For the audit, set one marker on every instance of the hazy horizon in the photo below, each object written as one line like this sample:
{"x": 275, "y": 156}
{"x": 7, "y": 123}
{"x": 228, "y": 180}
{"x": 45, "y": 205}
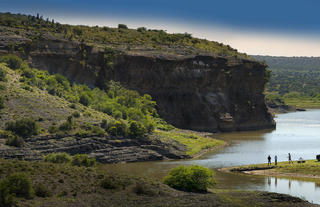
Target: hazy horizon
{"x": 287, "y": 28}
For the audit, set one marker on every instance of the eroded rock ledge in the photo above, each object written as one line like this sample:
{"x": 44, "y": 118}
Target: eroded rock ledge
{"x": 200, "y": 92}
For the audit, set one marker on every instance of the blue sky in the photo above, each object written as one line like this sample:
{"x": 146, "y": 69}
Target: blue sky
{"x": 244, "y": 24}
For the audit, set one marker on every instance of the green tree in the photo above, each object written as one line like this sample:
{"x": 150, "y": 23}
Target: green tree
{"x": 23, "y": 127}
{"x": 137, "y": 130}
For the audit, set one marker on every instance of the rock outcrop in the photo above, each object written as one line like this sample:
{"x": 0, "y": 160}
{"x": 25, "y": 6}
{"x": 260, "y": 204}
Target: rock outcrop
{"x": 199, "y": 92}
{"x": 103, "y": 149}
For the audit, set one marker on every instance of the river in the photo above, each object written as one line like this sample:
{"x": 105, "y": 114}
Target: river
{"x": 296, "y": 132}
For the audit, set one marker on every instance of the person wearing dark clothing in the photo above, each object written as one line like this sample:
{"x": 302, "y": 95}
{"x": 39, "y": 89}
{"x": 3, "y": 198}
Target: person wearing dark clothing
{"x": 289, "y": 158}
{"x": 269, "y": 160}
{"x": 276, "y": 160}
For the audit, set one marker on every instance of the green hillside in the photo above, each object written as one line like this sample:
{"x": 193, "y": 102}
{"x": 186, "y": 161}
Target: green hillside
{"x": 294, "y": 79}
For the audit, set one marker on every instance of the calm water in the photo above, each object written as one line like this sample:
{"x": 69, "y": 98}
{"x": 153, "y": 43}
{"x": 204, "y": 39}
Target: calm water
{"x": 297, "y": 133}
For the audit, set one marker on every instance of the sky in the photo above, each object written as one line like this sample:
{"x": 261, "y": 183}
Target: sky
{"x": 256, "y": 27}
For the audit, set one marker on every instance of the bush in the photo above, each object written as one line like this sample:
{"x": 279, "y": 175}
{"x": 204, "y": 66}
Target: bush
{"x": 68, "y": 125}
{"x": 16, "y": 184}
{"x": 136, "y": 129}
{"x": 84, "y": 99}
{"x": 2, "y": 75}
{"x": 12, "y": 61}
{"x": 118, "y": 128}
{"x": 53, "y": 129}
{"x": 110, "y": 183}
{"x": 113, "y": 182}
{"x": 6, "y": 198}
{"x": 122, "y": 26}
{"x": 192, "y": 178}
{"x": 15, "y": 141}
{"x": 42, "y": 191}
{"x": 76, "y": 114}
{"x": 2, "y": 87}
{"x": 23, "y": 127}
{"x": 1, "y": 102}
{"x": 60, "y": 157}
{"x": 83, "y": 160}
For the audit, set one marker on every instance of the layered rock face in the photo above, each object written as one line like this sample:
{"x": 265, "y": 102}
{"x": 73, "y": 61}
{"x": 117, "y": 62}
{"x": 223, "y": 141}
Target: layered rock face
{"x": 198, "y": 92}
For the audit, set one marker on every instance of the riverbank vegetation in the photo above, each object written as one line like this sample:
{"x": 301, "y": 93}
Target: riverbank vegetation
{"x": 49, "y": 184}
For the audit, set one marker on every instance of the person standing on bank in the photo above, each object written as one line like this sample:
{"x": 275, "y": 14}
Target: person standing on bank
{"x": 269, "y": 160}
{"x": 289, "y": 158}
{"x": 276, "y": 160}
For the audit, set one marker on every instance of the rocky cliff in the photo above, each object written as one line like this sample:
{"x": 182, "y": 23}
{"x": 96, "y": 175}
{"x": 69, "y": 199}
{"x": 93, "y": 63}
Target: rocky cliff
{"x": 199, "y": 91}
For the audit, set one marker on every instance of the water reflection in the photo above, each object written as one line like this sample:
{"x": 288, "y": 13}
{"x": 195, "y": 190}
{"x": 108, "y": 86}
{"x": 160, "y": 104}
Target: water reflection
{"x": 297, "y": 133}
{"x": 302, "y": 189}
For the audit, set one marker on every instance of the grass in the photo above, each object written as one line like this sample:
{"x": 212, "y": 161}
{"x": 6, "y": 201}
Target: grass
{"x": 118, "y": 38}
{"x": 309, "y": 168}
{"x": 303, "y": 102}
{"x": 21, "y": 103}
{"x": 195, "y": 143}
{"x": 65, "y": 185}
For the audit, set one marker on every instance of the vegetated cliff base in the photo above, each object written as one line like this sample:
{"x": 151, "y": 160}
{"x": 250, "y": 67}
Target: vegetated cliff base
{"x": 200, "y": 92}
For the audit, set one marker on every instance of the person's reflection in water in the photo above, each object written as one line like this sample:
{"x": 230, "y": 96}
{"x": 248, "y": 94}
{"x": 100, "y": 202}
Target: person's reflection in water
{"x": 269, "y": 181}
{"x": 276, "y": 182}
{"x": 290, "y": 184}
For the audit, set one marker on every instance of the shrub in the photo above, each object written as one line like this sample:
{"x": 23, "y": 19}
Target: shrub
{"x": 84, "y": 99}
{"x": 23, "y": 127}
{"x": 104, "y": 124}
{"x": 117, "y": 114}
{"x": 17, "y": 184}
{"x": 122, "y": 26}
{"x": 118, "y": 128}
{"x": 2, "y": 87}
{"x": 1, "y": 102}
{"x": 192, "y": 178}
{"x": 42, "y": 191}
{"x": 73, "y": 106}
{"x": 53, "y": 129}
{"x": 60, "y": 157}
{"x": 83, "y": 160}
{"x": 76, "y": 114}
{"x": 15, "y": 141}
{"x": 6, "y": 198}
{"x": 12, "y": 61}
{"x": 142, "y": 188}
{"x": 67, "y": 125}
{"x": 113, "y": 182}
{"x": 110, "y": 183}
{"x": 2, "y": 75}
{"x": 136, "y": 129}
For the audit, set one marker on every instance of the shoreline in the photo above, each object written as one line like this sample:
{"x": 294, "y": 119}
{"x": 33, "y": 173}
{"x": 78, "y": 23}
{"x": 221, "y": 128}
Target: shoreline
{"x": 212, "y": 149}
{"x": 283, "y": 170}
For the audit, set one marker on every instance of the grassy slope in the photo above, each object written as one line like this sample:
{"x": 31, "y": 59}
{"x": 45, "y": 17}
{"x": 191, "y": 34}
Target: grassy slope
{"x": 21, "y": 103}
{"x": 38, "y": 103}
{"x": 195, "y": 143}
{"x": 80, "y": 187}
{"x": 138, "y": 40}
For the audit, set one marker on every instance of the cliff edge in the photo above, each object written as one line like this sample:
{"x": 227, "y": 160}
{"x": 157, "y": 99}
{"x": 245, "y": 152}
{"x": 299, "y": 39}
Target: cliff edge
{"x": 196, "y": 90}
